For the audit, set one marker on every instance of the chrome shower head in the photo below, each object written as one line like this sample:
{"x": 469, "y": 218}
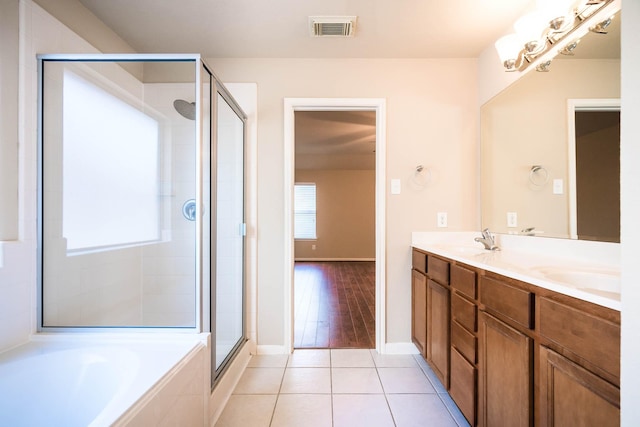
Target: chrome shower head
{"x": 185, "y": 108}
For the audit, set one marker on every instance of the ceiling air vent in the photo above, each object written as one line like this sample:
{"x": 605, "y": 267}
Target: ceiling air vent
{"x": 332, "y": 26}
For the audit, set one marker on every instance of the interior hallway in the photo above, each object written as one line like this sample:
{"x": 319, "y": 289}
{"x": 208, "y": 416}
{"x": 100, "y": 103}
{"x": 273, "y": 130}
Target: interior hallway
{"x": 334, "y": 304}
{"x": 339, "y": 388}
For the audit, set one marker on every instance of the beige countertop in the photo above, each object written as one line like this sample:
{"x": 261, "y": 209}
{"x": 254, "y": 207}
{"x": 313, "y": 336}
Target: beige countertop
{"x": 586, "y": 270}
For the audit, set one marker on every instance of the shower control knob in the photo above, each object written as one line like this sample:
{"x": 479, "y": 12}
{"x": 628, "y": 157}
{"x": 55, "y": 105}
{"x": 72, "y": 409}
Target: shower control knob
{"x": 189, "y": 209}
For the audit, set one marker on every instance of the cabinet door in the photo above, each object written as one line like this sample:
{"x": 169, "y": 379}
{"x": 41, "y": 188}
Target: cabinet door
{"x": 438, "y": 339}
{"x": 419, "y": 310}
{"x": 571, "y": 395}
{"x": 504, "y": 375}
{"x": 463, "y": 385}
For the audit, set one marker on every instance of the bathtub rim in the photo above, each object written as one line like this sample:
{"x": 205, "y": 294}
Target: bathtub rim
{"x": 116, "y": 413}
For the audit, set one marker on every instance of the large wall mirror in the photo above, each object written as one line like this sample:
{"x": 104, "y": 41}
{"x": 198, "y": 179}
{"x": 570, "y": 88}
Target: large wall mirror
{"x": 550, "y": 144}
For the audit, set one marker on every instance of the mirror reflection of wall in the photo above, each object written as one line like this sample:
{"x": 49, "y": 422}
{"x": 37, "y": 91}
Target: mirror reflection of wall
{"x": 527, "y": 125}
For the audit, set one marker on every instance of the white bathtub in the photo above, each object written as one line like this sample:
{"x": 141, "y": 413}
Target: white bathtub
{"x": 89, "y": 381}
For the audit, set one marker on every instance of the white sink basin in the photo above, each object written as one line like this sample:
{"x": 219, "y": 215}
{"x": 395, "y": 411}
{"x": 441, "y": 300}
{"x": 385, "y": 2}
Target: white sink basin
{"x": 603, "y": 282}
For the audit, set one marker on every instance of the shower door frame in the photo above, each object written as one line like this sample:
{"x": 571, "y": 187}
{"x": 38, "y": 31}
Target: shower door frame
{"x": 99, "y": 57}
{"x": 204, "y": 303}
{"x": 218, "y": 88}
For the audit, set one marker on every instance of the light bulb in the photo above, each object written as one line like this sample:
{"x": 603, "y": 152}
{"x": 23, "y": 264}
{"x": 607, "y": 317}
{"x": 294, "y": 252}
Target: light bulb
{"x": 508, "y": 48}
{"x": 530, "y": 28}
{"x": 558, "y": 14}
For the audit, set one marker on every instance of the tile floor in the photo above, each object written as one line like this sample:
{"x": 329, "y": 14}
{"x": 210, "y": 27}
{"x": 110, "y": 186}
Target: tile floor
{"x": 339, "y": 388}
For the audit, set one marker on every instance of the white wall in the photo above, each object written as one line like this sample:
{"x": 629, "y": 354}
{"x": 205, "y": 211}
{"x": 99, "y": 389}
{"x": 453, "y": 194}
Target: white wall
{"x": 345, "y": 215}
{"x": 39, "y": 33}
{"x": 431, "y": 120}
{"x": 630, "y": 212}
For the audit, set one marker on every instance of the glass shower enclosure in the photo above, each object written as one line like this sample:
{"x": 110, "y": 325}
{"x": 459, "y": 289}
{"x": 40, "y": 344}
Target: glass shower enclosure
{"x": 141, "y": 198}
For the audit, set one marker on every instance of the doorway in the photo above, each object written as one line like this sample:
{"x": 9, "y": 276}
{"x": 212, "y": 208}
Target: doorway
{"x": 376, "y": 107}
{"x": 594, "y": 169}
{"x": 334, "y": 229}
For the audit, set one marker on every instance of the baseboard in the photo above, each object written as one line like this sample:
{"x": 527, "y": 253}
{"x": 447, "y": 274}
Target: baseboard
{"x": 271, "y": 349}
{"x": 389, "y": 348}
{"x": 400, "y": 348}
{"x": 335, "y": 259}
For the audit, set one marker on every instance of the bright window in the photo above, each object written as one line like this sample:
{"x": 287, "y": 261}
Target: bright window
{"x": 304, "y": 211}
{"x": 110, "y": 169}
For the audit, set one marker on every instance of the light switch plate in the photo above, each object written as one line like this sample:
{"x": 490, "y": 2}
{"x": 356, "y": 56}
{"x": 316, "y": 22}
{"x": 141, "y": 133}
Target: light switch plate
{"x": 558, "y": 186}
{"x": 512, "y": 219}
{"x": 396, "y": 186}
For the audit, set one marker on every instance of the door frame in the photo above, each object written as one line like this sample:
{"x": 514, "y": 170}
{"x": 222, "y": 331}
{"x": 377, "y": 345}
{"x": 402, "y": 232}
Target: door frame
{"x": 291, "y": 105}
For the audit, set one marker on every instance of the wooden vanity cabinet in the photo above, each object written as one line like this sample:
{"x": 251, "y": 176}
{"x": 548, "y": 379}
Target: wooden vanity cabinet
{"x": 430, "y": 307}
{"x": 438, "y": 330}
{"x": 505, "y": 383}
{"x": 438, "y": 317}
{"x": 572, "y": 395}
{"x": 419, "y": 301}
{"x": 514, "y": 354}
{"x": 579, "y": 365}
{"x": 463, "y": 371}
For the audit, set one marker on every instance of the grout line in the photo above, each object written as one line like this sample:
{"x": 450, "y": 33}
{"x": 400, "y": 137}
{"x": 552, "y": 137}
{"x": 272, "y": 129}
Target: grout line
{"x": 331, "y": 385}
{"x": 384, "y": 393}
{"x": 284, "y": 372}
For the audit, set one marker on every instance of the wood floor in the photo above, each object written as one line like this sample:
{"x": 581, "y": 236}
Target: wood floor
{"x": 334, "y": 305}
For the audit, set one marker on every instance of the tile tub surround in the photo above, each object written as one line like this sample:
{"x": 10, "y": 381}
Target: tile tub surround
{"x": 527, "y": 258}
{"x": 339, "y": 387}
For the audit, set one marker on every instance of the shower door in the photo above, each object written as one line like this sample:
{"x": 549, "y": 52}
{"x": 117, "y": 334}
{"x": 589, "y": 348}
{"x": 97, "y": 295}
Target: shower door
{"x": 228, "y": 299}
{"x": 119, "y": 238}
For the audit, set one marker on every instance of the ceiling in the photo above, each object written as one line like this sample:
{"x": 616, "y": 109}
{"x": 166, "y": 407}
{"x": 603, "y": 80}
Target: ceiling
{"x": 341, "y": 131}
{"x": 279, "y": 28}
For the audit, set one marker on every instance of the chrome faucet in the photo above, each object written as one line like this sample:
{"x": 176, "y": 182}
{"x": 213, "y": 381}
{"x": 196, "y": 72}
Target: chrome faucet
{"x": 487, "y": 240}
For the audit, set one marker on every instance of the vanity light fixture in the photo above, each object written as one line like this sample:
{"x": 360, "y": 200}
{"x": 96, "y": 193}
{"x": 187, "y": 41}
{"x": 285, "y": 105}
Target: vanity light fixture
{"x": 539, "y": 31}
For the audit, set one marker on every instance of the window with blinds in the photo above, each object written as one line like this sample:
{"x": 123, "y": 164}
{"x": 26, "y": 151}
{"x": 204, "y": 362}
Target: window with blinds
{"x": 304, "y": 209}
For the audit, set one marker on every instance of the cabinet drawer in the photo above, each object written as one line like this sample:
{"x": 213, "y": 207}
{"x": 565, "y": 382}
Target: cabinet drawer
{"x": 464, "y": 312}
{"x": 464, "y": 341}
{"x": 463, "y": 386}
{"x": 438, "y": 270}
{"x": 464, "y": 280}
{"x": 590, "y": 337}
{"x": 419, "y": 261}
{"x": 514, "y": 303}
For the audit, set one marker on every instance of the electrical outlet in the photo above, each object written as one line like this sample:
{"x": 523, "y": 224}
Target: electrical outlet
{"x": 313, "y": 247}
{"x": 512, "y": 219}
{"x": 442, "y": 219}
